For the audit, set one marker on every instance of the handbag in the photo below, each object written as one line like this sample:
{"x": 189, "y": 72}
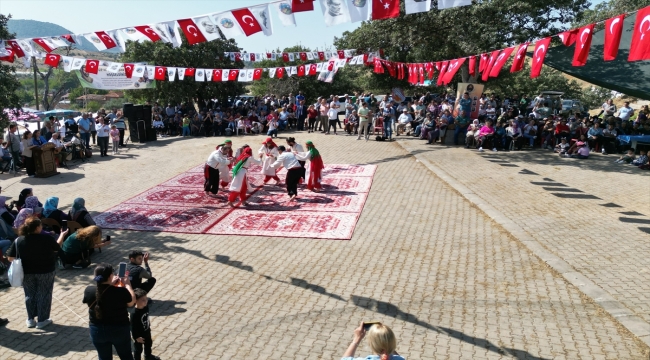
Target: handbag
{"x": 15, "y": 273}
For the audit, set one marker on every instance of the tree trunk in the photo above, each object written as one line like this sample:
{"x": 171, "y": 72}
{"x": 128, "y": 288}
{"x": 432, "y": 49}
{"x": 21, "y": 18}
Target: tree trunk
{"x": 466, "y": 77}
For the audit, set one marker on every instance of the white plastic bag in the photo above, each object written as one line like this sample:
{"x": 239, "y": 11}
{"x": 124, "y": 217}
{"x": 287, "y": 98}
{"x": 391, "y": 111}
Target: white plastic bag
{"x": 15, "y": 273}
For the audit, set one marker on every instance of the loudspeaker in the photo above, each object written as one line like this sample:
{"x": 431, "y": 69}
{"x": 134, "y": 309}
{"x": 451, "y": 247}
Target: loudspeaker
{"x": 127, "y": 110}
{"x": 146, "y": 115}
{"x": 151, "y": 134}
{"x": 133, "y": 130}
{"x": 142, "y": 132}
{"x": 138, "y": 112}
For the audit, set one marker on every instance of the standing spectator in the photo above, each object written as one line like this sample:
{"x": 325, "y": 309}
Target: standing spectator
{"x": 84, "y": 130}
{"x": 608, "y": 108}
{"x": 625, "y": 112}
{"x": 47, "y": 129}
{"x": 381, "y": 340}
{"x": 333, "y": 117}
{"x": 141, "y": 327}
{"x": 323, "y": 109}
{"x": 301, "y": 113}
{"x": 115, "y": 138}
{"x": 465, "y": 104}
{"x": 119, "y": 122}
{"x": 186, "y": 126}
{"x": 364, "y": 114}
{"x": 137, "y": 273}
{"x": 107, "y": 311}
{"x": 13, "y": 145}
{"x": 312, "y": 116}
{"x": 38, "y": 255}
{"x": 28, "y": 145}
{"x": 93, "y": 125}
{"x": 102, "y": 137}
{"x": 273, "y": 127}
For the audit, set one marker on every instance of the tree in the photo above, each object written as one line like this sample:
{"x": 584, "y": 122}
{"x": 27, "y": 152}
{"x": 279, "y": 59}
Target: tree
{"x": 9, "y": 84}
{"x": 608, "y": 9}
{"x": 206, "y": 55}
{"x": 60, "y": 82}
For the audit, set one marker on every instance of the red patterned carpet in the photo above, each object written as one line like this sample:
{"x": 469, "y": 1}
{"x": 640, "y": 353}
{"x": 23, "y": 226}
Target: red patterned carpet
{"x": 180, "y": 205}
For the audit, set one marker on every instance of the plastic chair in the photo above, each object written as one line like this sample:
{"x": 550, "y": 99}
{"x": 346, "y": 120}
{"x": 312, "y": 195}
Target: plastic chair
{"x": 378, "y": 125}
{"x": 73, "y": 226}
{"x": 52, "y": 223}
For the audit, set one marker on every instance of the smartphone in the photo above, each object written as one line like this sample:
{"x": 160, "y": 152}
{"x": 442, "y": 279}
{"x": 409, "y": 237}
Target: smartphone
{"x": 64, "y": 225}
{"x": 368, "y": 324}
{"x": 108, "y": 238}
{"x": 122, "y": 270}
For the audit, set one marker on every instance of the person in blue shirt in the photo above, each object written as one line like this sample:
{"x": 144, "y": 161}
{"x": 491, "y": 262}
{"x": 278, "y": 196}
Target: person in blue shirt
{"x": 465, "y": 104}
{"x": 38, "y": 139}
{"x": 84, "y": 130}
{"x": 594, "y": 136}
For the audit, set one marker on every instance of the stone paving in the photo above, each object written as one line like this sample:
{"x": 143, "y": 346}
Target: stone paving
{"x": 448, "y": 280}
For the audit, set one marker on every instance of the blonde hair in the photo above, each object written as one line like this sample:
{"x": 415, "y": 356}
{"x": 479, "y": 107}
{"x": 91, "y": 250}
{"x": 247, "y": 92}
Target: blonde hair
{"x": 91, "y": 235}
{"x": 381, "y": 340}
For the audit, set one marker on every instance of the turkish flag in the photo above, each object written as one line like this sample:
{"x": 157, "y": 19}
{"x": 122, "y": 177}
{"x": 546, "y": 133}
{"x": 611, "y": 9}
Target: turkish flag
{"x": 302, "y": 5}
{"x": 301, "y": 70}
{"x": 10, "y": 56}
{"x": 237, "y": 56}
{"x": 190, "y": 71}
{"x": 321, "y": 55}
{"x": 128, "y": 70}
{"x": 385, "y": 9}
{"x": 472, "y": 65}
{"x": 191, "y": 31}
{"x": 569, "y": 37}
{"x": 43, "y": 44}
{"x": 421, "y": 73}
{"x": 280, "y": 73}
{"x": 148, "y": 32}
{"x": 247, "y": 21}
{"x": 640, "y": 47}
{"x": 232, "y": 76}
{"x": 391, "y": 68}
{"x": 541, "y": 47}
{"x": 160, "y": 73}
{"x": 452, "y": 69}
{"x": 252, "y": 57}
{"x": 303, "y": 56}
{"x": 106, "y": 39}
{"x": 490, "y": 64}
{"x": 285, "y": 57}
{"x": 52, "y": 60}
{"x": 257, "y": 75}
{"x": 613, "y": 31}
{"x": 92, "y": 66}
{"x": 379, "y": 68}
{"x": 483, "y": 61}
{"x": 312, "y": 69}
{"x": 216, "y": 75}
{"x": 341, "y": 54}
{"x": 17, "y": 49}
{"x": 520, "y": 58}
{"x": 442, "y": 72}
{"x": 501, "y": 61}
{"x": 400, "y": 71}
{"x": 69, "y": 38}
{"x": 583, "y": 44}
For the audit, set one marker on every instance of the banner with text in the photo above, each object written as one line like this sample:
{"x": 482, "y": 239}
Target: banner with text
{"x": 105, "y": 80}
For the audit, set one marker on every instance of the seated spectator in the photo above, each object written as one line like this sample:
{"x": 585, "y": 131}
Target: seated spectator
{"x": 574, "y": 147}
{"x": 562, "y": 147}
{"x": 500, "y": 136}
{"x": 427, "y": 125}
{"x": 351, "y": 123}
{"x": 530, "y": 132}
{"x": 432, "y": 130}
{"x": 273, "y": 127}
{"x": 582, "y": 152}
{"x": 59, "y": 148}
{"x": 609, "y": 139}
{"x": 33, "y": 203}
{"x": 7, "y": 217}
{"x": 381, "y": 340}
{"x": 76, "y": 249}
{"x": 547, "y": 134}
{"x": 51, "y": 211}
{"x": 79, "y": 213}
{"x": 641, "y": 160}
{"x": 627, "y": 158}
{"x": 513, "y": 136}
{"x": 472, "y": 133}
{"x": 22, "y": 217}
{"x": 486, "y": 137}
{"x": 562, "y": 130}
{"x": 595, "y": 136}
{"x": 403, "y": 121}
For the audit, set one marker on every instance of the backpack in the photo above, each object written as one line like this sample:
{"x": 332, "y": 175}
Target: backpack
{"x": 380, "y": 138}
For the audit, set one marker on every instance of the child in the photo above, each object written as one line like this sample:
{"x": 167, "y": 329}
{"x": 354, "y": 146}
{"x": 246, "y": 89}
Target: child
{"x": 562, "y": 147}
{"x": 627, "y": 158}
{"x": 641, "y": 160}
{"x": 141, "y": 327}
{"x": 582, "y": 153}
{"x": 115, "y": 137}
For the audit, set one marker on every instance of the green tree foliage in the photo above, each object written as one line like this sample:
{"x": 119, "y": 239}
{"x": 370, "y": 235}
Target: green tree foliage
{"x": 207, "y": 55}
{"x": 309, "y": 85}
{"x": 611, "y": 8}
{"x": 9, "y": 84}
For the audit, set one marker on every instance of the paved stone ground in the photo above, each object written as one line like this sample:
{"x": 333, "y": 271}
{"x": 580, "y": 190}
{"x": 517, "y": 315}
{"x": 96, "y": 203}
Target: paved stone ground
{"x": 450, "y": 282}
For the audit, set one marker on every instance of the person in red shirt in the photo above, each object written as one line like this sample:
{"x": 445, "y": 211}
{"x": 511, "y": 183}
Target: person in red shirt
{"x": 312, "y": 116}
{"x": 562, "y": 130}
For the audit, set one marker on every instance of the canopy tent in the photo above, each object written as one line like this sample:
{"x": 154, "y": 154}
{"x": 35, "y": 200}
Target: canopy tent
{"x": 630, "y": 78}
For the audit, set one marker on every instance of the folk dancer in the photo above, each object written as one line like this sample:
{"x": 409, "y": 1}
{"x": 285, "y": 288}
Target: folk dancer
{"x": 217, "y": 163}
{"x": 269, "y": 153}
{"x": 295, "y": 147}
{"x": 224, "y": 172}
{"x": 288, "y": 160}
{"x": 239, "y": 185}
{"x": 314, "y": 167}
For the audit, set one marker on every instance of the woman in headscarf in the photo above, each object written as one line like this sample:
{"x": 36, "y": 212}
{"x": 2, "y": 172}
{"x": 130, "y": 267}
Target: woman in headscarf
{"x": 51, "y": 210}
{"x": 269, "y": 153}
{"x": 314, "y": 167}
{"x": 79, "y": 213}
{"x": 22, "y": 216}
{"x": 4, "y": 212}
{"x": 239, "y": 185}
{"x": 217, "y": 162}
{"x": 33, "y": 203}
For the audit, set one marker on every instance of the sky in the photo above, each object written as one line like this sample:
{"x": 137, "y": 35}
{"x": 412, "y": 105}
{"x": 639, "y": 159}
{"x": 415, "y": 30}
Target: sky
{"x": 83, "y": 16}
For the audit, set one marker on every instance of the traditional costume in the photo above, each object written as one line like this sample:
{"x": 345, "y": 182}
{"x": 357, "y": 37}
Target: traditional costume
{"x": 224, "y": 172}
{"x": 294, "y": 171}
{"x": 217, "y": 163}
{"x": 314, "y": 167}
{"x": 297, "y": 148}
{"x": 269, "y": 152}
{"x": 239, "y": 185}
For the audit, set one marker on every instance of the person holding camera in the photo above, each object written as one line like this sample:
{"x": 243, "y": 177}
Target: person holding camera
{"x": 137, "y": 273}
{"x": 381, "y": 340}
{"x": 76, "y": 249}
{"x": 107, "y": 311}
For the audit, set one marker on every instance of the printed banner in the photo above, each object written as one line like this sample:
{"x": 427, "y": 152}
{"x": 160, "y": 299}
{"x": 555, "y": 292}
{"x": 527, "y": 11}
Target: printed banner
{"x": 475, "y": 91}
{"x": 105, "y": 80}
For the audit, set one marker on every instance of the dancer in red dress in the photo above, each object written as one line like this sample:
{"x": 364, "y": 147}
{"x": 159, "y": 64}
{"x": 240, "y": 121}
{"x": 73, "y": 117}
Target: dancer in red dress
{"x": 314, "y": 167}
{"x": 239, "y": 185}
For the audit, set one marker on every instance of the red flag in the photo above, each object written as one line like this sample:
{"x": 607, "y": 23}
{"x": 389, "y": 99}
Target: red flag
{"x": 312, "y": 69}
{"x": 483, "y": 62}
{"x": 341, "y": 54}
{"x": 421, "y": 73}
{"x": 216, "y": 75}
{"x": 303, "y": 56}
{"x": 442, "y": 72}
{"x": 160, "y": 73}
{"x": 190, "y": 71}
{"x": 452, "y": 69}
{"x": 106, "y": 39}
{"x": 501, "y": 61}
{"x": 92, "y": 66}
{"x": 490, "y": 64}
{"x": 385, "y": 9}
{"x": 379, "y": 69}
{"x": 321, "y": 55}
{"x": 257, "y": 74}
{"x": 148, "y": 32}
{"x": 252, "y": 55}
{"x": 43, "y": 44}
{"x": 10, "y": 56}
{"x": 247, "y": 21}
{"x": 429, "y": 68}
{"x": 302, "y": 5}
{"x": 520, "y": 57}
{"x": 237, "y": 56}
{"x": 301, "y": 70}
{"x": 128, "y": 70}
{"x": 17, "y": 49}
{"x": 541, "y": 47}
{"x": 472, "y": 65}
{"x": 285, "y": 57}
{"x": 52, "y": 60}
{"x": 569, "y": 37}
{"x": 280, "y": 73}
{"x": 613, "y": 31}
{"x": 400, "y": 71}
{"x": 69, "y": 38}
{"x": 191, "y": 31}
{"x": 640, "y": 46}
{"x": 583, "y": 44}
{"x": 269, "y": 55}
{"x": 391, "y": 68}
{"x": 233, "y": 74}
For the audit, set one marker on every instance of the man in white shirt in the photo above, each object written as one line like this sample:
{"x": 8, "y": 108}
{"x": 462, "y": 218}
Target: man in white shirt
{"x": 404, "y": 120}
{"x": 59, "y": 148}
{"x": 288, "y": 160}
{"x": 625, "y": 112}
